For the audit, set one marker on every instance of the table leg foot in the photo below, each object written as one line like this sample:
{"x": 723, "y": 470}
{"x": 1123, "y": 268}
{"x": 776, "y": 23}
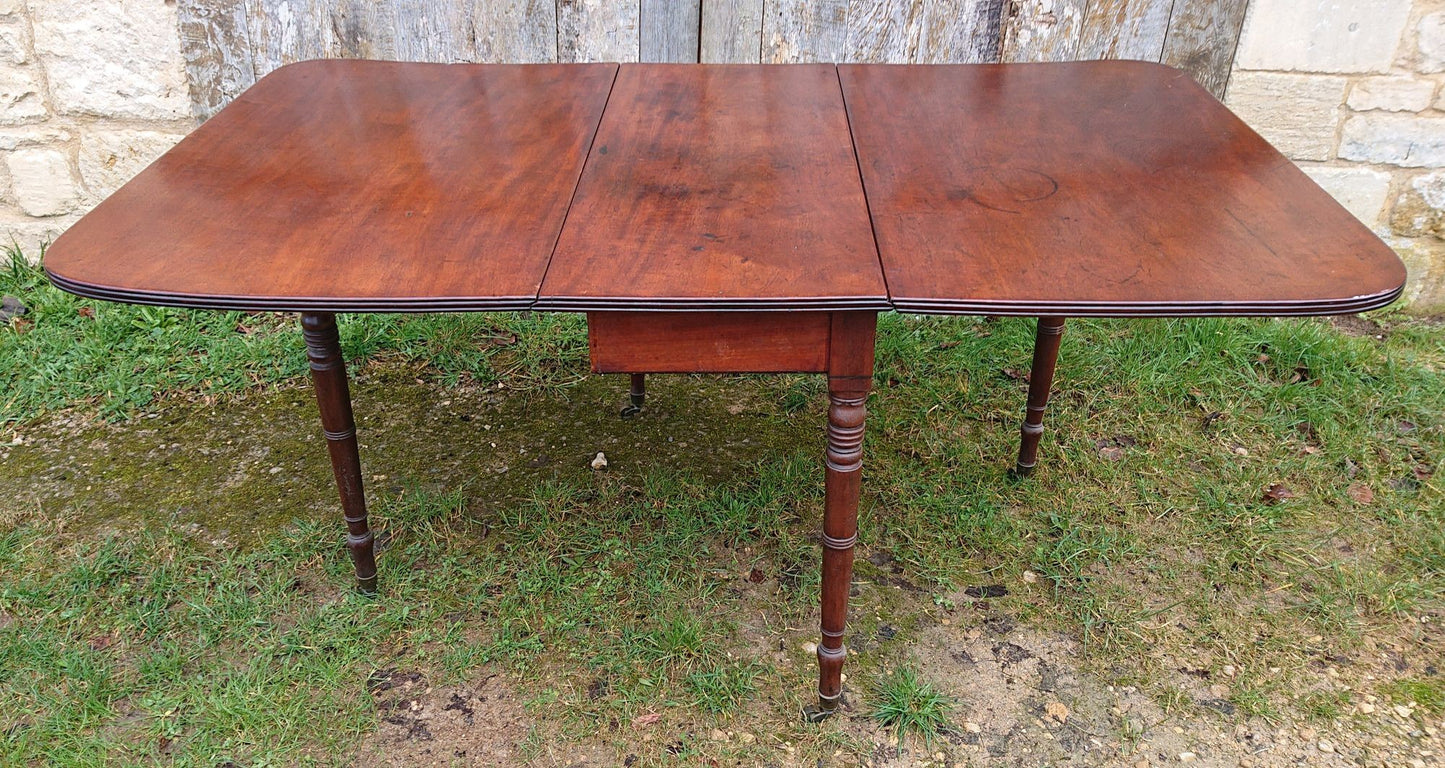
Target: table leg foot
{"x": 1047, "y": 336}
{"x": 850, "y": 376}
{"x": 636, "y": 396}
{"x": 333, "y": 398}
{"x": 824, "y": 709}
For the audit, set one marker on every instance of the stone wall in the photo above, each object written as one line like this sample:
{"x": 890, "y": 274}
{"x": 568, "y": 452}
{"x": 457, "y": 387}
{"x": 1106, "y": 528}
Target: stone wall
{"x": 93, "y": 90}
{"x": 90, "y": 92}
{"x": 1352, "y": 92}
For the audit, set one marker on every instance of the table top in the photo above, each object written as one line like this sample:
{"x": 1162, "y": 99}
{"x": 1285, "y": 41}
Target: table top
{"x": 1095, "y": 188}
{"x": 1091, "y": 188}
{"x": 352, "y": 186}
{"x": 719, "y": 188}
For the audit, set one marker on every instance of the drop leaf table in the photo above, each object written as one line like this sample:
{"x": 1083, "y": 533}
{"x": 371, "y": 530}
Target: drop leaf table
{"x": 725, "y": 218}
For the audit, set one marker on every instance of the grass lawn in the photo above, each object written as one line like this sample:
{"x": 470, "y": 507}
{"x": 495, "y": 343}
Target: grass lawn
{"x": 1236, "y": 524}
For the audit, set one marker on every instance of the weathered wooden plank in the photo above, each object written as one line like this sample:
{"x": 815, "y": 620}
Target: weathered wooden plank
{"x": 1042, "y": 30}
{"x": 597, "y": 30}
{"x": 669, "y": 30}
{"x": 1125, "y": 29}
{"x": 515, "y": 31}
{"x": 363, "y": 29}
{"x": 433, "y": 30}
{"x": 883, "y": 31}
{"x": 803, "y": 31}
{"x": 959, "y": 31}
{"x": 283, "y": 31}
{"x": 217, "y": 52}
{"x": 1202, "y": 38}
{"x": 732, "y": 31}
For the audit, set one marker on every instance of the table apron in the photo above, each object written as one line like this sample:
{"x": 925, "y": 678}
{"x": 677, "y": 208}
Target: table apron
{"x": 709, "y": 342}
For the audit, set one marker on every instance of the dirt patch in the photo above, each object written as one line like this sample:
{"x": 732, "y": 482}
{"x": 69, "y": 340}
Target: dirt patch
{"x": 481, "y": 723}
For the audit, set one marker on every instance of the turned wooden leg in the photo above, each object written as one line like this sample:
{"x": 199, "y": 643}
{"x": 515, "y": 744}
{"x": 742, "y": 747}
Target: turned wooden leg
{"x": 850, "y": 376}
{"x": 1046, "y": 354}
{"x": 635, "y": 397}
{"x": 328, "y": 374}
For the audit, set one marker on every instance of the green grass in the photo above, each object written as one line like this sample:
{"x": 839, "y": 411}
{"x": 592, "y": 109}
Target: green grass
{"x": 607, "y": 596}
{"x": 910, "y": 706}
{"x": 1427, "y": 694}
{"x": 116, "y": 359}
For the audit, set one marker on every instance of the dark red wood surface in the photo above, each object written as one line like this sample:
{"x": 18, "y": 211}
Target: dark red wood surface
{"x": 708, "y": 342}
{"x": 1095, "y": 188}
{"x": 352, "y": 185}
{"x": 719, "y": 187}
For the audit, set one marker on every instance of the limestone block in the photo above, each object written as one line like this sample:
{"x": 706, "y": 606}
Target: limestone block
{"x": 1322, "y": 35}
{"x": 109, "y": 159}
{"x": 10, "y": 7}
{"x": 1409, "y": 141}
{"x": 14, "y": 40}
{"x": 42, "y": 181}
{"x": 1392, "y": 94}
{"x": 112, "y": 58}
{"x": 1361, "y": 191}
{"x": 32, "y": 235}
{"x": 1420, "y": 209}
{"x": 1430, "y": 43}
{"x": 1296, "y": 113}
{"x": 20, "y": 97}
{"x": 1424, "y": 259}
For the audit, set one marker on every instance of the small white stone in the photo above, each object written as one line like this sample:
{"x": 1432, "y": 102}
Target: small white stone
{"x": 747, "y": 738}
{"x": 972, "y": 727}
{"x": 1325, "y": 746}
{"x": 1187, "y": 757}
{"x": 1229, "y": 670}
{"x": 599, "y": 461}
{"x": 1030, "y": 577}
{"x": 810, "y": 647}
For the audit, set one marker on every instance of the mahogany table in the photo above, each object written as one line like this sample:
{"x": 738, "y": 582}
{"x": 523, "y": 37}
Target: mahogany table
{"x": 725, "y": 219}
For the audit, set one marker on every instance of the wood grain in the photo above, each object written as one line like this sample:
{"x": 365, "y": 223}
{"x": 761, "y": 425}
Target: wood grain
{"x": 338, "y": 426}
{"x": 1095, "y": 188}
{"x": 598, "y": 30}
{"x": 1042, "y": 30}
{"x": 960, "y": 32}
{"x": 1124, "y": 29}
{"x": 708, "y": 342}
{"x": 287, "y": 31}
{"x": 363, "y": 29}
{"x": 352, "y": 186}
{"x": 850, "y": 377}
{"x": 883, "y": 31}
{"x": 805, "y": 31}
{"x": 669, "y": 30}
{"x": 434, "y": 30}
{"x": 515, "y": 31}
{"x": 732, "y": 31}
{"x": 1203, "y": 35}
{"x": 719, "y": 186}
{"x": 217, "y": 51}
